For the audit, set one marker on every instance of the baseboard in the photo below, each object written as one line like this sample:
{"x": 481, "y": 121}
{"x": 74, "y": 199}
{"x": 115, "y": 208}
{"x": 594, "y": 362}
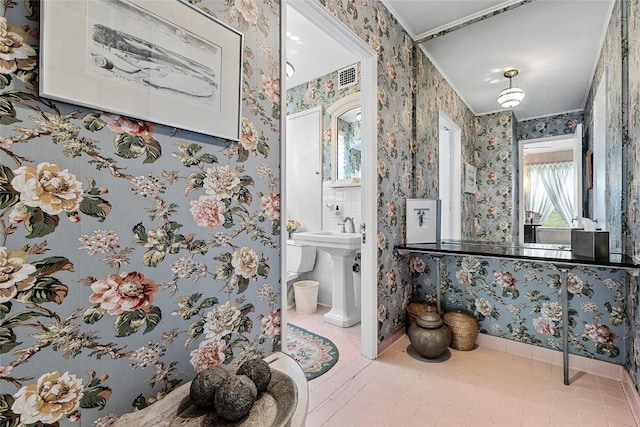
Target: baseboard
{"x": 632, "y": 396}
{"x": 382, "y": 346}
{"x": 584, "y": 364}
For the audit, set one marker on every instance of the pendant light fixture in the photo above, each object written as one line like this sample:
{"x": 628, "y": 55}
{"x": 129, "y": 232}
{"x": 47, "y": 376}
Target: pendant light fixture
{"x": 289, "y": 70}
{"x": 511, "y": 96}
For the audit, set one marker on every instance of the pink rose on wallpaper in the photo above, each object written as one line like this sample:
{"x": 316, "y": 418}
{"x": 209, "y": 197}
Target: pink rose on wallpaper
{"x": 544, "y": 326}
{"x": 124, "y": 292}
{"x": 391, "y": 277}
{"x": 209, "y": 353}
{"x": 271, "y": 324}
{"x": 491, "y": 176}
{"x": 505, "y": 279}
{"x": 463, "y": 277}
{"x": 208, "y": 211}
{"x": 391, "y": 208}
{"x": 600, "y": 334}
{"x": 329, "y": 86}
{"x": 271, "y": 206}
{"x": 130, "y": 126}
{"x": 271, "y": 87}
{"x": 309, "y": 94}
{"x": 391, "y": 71}
{"x": 492, "y": 210}
{"x": 392, "y": 142}
{"x": 491, "y": 142}
{"x": 574, "y": 284}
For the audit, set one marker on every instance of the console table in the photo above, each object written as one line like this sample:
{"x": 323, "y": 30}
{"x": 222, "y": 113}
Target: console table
{"x": 559, "y": 256}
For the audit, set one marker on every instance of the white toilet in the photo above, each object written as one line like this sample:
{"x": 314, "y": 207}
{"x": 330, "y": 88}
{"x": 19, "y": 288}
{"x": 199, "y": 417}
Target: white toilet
{"x": 300, "y": 259}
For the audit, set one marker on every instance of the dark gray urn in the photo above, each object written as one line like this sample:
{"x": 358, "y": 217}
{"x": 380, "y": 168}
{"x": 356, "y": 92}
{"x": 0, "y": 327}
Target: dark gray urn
{"x": 205, "y": 384}
{"x": 429, "y": 336}
{"x": 235, "y": 397}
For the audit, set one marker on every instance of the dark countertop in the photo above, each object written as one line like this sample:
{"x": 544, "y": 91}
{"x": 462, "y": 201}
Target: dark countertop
{"x": 556, "y": 254}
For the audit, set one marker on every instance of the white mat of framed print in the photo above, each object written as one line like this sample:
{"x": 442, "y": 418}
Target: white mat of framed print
{"x": 423, "y": 220}
{"x": 470, "y": 178}
{"x": 156, "y": 60}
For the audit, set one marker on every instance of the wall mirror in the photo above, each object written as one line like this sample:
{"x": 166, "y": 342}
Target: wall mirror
{"x": 346, "y": 142}
{"x": 469, "y": 41}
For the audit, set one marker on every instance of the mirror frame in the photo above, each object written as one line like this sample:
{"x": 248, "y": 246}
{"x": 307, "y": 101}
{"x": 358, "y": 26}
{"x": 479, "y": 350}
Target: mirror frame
{"x": 336, "y": 109}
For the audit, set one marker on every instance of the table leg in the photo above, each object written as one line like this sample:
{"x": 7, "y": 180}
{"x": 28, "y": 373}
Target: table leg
{"x": 565, "y": 324}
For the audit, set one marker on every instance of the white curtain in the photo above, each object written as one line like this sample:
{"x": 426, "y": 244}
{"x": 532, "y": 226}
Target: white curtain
{"x": 557, "y": 179}
{"x": 537, "y": 200}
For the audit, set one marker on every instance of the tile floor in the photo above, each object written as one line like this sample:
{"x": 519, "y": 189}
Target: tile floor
{"x": 481, "y": 387}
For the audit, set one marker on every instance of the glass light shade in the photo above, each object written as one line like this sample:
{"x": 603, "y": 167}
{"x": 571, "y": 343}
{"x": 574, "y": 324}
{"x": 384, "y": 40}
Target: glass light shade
{"x": 510, "y": 97}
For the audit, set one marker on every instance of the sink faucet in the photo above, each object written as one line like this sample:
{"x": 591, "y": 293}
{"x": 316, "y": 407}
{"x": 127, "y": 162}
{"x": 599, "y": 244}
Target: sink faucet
{"x": 352, "y": 227}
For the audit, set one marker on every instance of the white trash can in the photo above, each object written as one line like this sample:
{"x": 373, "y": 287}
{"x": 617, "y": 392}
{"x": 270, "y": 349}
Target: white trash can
{"x": 306, "y": 295}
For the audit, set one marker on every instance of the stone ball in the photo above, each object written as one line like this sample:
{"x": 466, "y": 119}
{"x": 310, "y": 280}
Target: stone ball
{"x": 258, "y": 371}
{"x": 235, "y": 397}
{"x": 204, "y": 385}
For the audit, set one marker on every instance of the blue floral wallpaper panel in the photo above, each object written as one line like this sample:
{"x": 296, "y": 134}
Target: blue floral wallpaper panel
{"x": 521, "y": 301}
{"x": 631, "y": 153}
{"x": 495, "y": 155}
{"x": 544, "y": 127}
{"x": 609, "y": 67}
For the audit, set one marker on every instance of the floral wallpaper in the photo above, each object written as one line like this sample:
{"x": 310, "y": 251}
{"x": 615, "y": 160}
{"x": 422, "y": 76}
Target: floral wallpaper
{"x": 321, "y": 91}
{"x": 519, "y": 300}
{"x": 495, "y": 153}
{"x": 631, "y": 155}
{"x": 132, "y": 254}
{"x": 544, "y": 127}
{"x": 434, "y": 95}
{"x": 610, "y": 64}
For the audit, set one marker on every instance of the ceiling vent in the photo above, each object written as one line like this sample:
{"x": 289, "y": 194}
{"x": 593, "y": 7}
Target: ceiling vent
{"x": 348, "y": 76}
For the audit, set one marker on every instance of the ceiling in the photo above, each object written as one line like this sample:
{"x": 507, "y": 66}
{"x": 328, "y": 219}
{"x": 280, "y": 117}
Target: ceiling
{"x": 553, "y": 43}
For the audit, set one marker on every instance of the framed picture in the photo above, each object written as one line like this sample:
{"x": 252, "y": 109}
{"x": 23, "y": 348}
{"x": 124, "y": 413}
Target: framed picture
{"x": 423, "y": 220}
{"x": 470, "y": 178}
{"x": 161, "y": 61}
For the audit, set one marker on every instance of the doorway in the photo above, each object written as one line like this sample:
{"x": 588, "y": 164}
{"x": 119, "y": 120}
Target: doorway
{"x": 338, "y": 31}
{"x": 449, "y": 178}
{"x": 550, "y": 176}
{"x": 600, "y": 154}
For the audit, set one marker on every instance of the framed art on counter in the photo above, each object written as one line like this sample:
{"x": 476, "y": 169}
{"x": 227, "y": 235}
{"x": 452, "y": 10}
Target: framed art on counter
{"x": 423, "y": 220}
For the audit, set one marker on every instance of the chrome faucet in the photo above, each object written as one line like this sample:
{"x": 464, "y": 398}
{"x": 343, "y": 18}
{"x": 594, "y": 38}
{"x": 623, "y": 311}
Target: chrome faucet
{"x": 352, "y": 227}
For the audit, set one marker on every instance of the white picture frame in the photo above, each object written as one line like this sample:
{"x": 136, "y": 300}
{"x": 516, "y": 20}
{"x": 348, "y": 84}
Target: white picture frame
{"x": 162, "y": 61}
{"x": 470, "y": 178}
{"x": 423, "y": 220}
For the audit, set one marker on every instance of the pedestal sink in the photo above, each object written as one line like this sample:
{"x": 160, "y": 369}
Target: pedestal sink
{"x": 343, "y": 248}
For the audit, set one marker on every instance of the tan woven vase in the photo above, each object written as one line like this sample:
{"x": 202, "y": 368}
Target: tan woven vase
{"x": 464, "y": 329}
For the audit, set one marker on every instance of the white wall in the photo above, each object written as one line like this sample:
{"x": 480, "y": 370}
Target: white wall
{"x": 348, "y": 199}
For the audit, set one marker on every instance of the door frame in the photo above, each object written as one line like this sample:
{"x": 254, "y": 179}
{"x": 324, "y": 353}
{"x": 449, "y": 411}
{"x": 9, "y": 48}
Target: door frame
{"x": 455, "y": 175}
{"x": 578, "y": 210}
{"x": 316, "y": 13}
